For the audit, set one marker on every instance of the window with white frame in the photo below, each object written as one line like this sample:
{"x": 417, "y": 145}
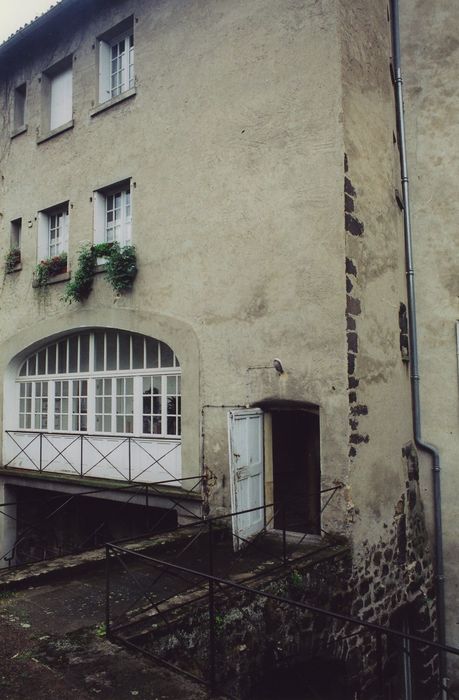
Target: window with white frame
{"x": 116, "y": 61}
{"x": 19, "y": 108}
{"x": 102, "y": 382}
{"x": 53, "y": 231}
{"x": 57, "y": 95}
{"x": 113, "y": 214}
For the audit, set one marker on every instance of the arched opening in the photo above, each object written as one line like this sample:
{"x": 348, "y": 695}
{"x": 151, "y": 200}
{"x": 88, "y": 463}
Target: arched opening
{"x": 98, "y": 402}
{"x": 292, "y": 470}
{"x": 307, "y": 679}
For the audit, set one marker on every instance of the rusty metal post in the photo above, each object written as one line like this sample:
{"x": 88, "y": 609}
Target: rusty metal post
{"x": 379, "y": 661}
{"x": 107, "y": 590}
{"x": 212, "y": 640}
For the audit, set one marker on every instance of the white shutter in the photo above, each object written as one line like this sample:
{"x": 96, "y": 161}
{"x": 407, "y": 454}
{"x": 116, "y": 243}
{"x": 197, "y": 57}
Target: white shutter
{"x": 61, "y": 99}
{"x": 104, "y": 71}
{"x": 65, "y": 233}
{"x": 99, "y": 217}
{"x": 43, "y": 237}
{"x": 127, "y": 223}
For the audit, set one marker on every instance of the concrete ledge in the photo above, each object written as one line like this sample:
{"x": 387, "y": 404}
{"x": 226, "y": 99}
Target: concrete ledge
{"x": 114, "y": 101}
{"x": 55, "y": 132}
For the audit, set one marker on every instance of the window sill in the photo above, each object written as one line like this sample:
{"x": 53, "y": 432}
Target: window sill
{"x": 114, "y": 101}
{"x": 55, "y": 279}
{"x": 16, "y": 268}
{"x": 20, "y": 130}
{"x": 55, "y": 132}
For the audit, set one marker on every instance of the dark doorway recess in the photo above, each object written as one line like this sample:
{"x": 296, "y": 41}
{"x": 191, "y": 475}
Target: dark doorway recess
{"x": 308, "y": 680}
{"x": 296, "y": 470}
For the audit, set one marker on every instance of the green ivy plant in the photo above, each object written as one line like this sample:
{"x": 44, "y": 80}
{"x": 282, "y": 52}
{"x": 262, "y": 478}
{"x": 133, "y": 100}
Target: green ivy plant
{"x": 12, "y": 259}
{"x": 120, "y": 269}
{"x": 79, "y": 288}
{"x": 49, "y": 268}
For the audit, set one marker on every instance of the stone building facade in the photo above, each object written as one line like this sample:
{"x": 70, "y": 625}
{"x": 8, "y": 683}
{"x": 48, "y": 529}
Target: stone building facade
{"x": 249, "y": 152}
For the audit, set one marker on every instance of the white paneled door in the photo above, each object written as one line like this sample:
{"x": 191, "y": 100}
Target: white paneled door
{"x": 246, "y": 470}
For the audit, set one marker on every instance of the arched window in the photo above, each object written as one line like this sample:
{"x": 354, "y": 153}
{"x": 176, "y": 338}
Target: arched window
{"x": 102, "y": 381}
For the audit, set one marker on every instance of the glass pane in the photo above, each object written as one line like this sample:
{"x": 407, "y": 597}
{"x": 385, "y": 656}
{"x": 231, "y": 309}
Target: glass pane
{"x": 129, "y": 405}
{"x": 62, "y": 355}
{"x": 167, "y": 356}
{"x": 83, "y": 423}
{"x": 52, "y": 359}
{"x": 156, "y": 385}
{"x": 42, "y": 362}
{"x": 171, "y": 426}
{"x": 146, "y": 404}
{"x": 107, "y": 424}
{"x": 99, "y": 351}
{"x": 152, "y": 352}
{"x": 119, "y": 424}
{"x": 146, "y": 383}
{"x": 157, "y": 425}
{"x": 107, "y": 405}
{"x": 129, "y": 385}
{"x": 137, "y": 352}
{"x": 99, "y": 387}
{"x": 73, "y": 354}
{"x": 98, "y": 424}
{"x": 146, "y": 424}
{"x": 111, "y": 349}
{"x": 98, "y": 405}
{"x": 22, "y": 389}
{"x": 171, "y": 405}
{"x": 23, "y": 371}
{"x": 119, "y": 386}
{"x": 21, "y": 422}
{"x": 156, "y": 404}
{"x": 31, "y": 365}
{"x": 171, "y": 385}
{"x": 84, "y": 352}
{"x": 125, "y": 350}
{"x": 65, "y": 423}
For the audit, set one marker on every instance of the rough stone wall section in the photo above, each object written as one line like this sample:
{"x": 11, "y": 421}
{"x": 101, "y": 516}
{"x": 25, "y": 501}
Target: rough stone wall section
{"x": 353, "y": 227}
{"x": 392, "y": 581}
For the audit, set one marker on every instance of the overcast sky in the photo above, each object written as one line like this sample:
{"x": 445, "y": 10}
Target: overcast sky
{"x": 16, "y": 13}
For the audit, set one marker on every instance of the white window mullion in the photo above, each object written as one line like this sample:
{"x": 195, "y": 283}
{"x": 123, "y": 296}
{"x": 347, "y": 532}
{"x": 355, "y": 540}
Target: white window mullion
{"x": 91, "y": 416}
{"x": 51, "y": 427}
{"x": 137, "y": 405}
{"x": 164, "y": 405}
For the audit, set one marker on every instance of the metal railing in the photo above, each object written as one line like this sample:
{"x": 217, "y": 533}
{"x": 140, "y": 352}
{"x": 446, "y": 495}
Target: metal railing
{"x": 42, "y": 454}
{"x": 36, "y": 540}
{"x": 190, "y": 630}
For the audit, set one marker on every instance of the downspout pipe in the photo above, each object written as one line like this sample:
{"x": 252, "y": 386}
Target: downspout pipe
{"x": 414, "y": 355}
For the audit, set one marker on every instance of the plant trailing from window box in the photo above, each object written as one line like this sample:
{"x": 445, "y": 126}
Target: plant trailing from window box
{"x": 120, "y": 269}
{"x": 12, "y": 259}
{"x": 79, "y": 288}
{"x": 49, "y": 268}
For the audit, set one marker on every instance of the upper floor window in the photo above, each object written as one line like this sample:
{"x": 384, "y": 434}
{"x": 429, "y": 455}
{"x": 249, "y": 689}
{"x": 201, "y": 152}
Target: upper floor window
{"x": 57, "y": 87}
{"x": 53, "y": 231}
{"x": 16, "y": 234}
{"x": 20, "y": 94}
{"x": 113, "y": 214}
{"x": 116, "y": 61}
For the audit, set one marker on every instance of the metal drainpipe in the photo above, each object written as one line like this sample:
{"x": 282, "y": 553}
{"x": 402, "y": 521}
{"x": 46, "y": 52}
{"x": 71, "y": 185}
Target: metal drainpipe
{"x": 414, "y": 358}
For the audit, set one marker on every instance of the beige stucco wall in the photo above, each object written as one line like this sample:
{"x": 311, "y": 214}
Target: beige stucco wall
{"x": 234, "y": 144}
{"x": 377, "y": 473}
{"x": 430, "y": 53}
